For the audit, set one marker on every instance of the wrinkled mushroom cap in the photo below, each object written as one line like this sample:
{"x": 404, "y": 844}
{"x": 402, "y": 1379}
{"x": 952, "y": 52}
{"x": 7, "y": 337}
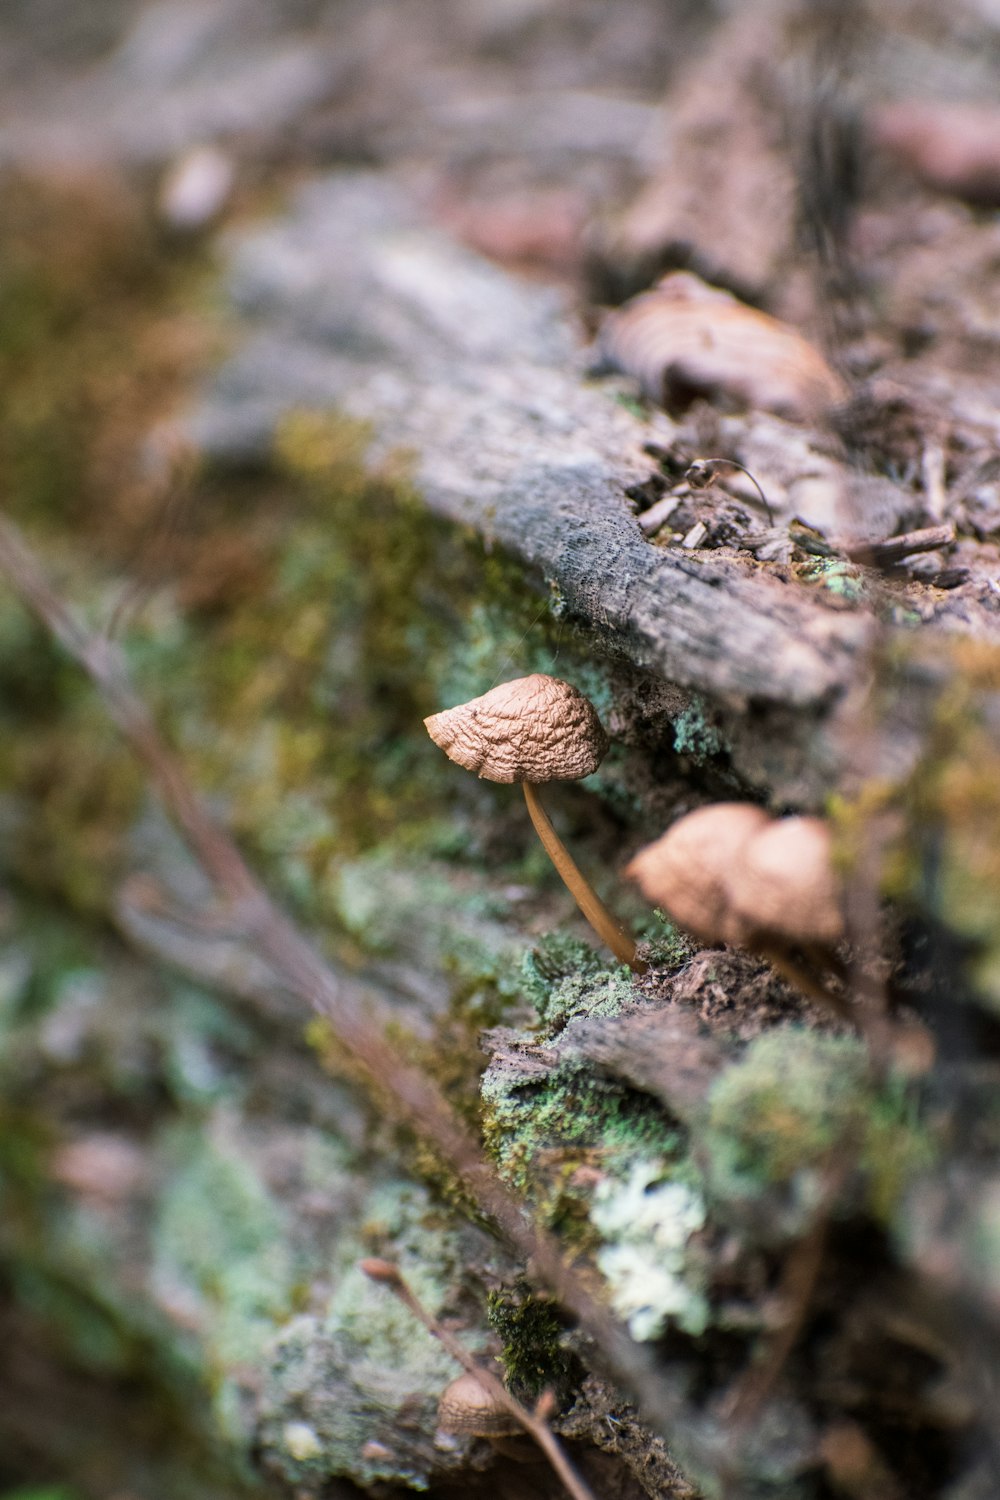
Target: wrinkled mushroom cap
{"x": 467, "y": 1406}
{"x": 687, "y": 870}
{"x": 784, "y": 884}
{"x": 535, "y": 729}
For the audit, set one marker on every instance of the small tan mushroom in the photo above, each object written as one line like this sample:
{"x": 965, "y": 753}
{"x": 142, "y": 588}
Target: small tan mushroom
{"x": 469, "y": 1408}
{"x": 688, "y": 870}
{"x": 731, "y": 874}
{"x": 532, "y": 730}
{"x": 784, "y": 884}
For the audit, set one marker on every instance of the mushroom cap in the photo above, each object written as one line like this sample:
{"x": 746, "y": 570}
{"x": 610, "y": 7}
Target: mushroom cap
{"x": 535, "y": 728}
{"x": 687, "y": 871}
{"x": 783, "y": 883}
{"x": 468, "y": 1406}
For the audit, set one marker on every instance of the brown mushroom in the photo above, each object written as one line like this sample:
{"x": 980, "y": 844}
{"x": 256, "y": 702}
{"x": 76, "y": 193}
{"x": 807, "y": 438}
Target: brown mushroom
{"x": 687, "y": 871}
{"x": 783, "y": 884}
{"x": 532, "y": 730}
{"x": 468, "y": 1407}
{"x": 731, "y": 874}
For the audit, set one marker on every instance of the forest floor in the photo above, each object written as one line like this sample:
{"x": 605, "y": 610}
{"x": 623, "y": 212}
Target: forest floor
{"x": 314, "y": 403}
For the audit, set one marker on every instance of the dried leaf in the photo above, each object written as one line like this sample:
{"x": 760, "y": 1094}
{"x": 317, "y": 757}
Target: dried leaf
{"x": 685, "y": 339}
{"x": 952, "y": 147}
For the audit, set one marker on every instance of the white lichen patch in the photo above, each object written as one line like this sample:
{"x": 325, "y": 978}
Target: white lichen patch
{"x": 301, "y": 1441}
{"x": 647, "y": 1223}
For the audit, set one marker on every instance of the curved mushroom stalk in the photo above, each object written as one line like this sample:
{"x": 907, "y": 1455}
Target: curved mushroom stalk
{"x": 579, "y": 886}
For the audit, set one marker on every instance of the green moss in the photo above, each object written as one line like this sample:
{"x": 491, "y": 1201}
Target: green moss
{"x": 795, "y": 1104}
{"x": 667, "y": 946}
{"x": 41, "y": 1492}
{"x": 531, "y": 1333}
{"x": 541, "y": 1130}
{"x": 556, "y": 956}
{"x": 563, "y": 978}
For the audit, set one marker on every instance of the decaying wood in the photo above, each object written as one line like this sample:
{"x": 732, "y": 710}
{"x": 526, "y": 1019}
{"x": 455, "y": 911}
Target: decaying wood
{"x": 478, "y": 379}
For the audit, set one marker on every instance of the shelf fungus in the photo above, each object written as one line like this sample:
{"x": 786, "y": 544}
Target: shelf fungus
{"x": 685, "y": 339}
{"x": 533, "y": 730}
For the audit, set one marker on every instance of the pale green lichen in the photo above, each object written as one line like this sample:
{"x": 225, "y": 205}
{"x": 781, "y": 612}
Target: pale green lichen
{"x": 782, "y": 1117}
{"x": 836, "y": 574}
{"x": 648, "y": 1220}
{"x": 695, "y": 735}
{"x": 421, "y": 912}
{"x": 354, "y": 1390}
{"x": 222, "y": 1248}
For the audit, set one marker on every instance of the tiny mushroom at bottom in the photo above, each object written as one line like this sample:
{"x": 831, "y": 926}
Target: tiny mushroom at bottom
{"x": 469, "y": 1408}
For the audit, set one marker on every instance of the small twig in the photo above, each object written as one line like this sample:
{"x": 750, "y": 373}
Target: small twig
{"x": 658, "y": 514}
{"x": 799, "y": 1277}
{"x": 415, "y": 1099}
{"x": 801, "y": 978}
{"x": 894, "y": 548}
{"x": 534, "y": 1423}
{"x": 702, "y": 472}
{"x": 932, "y": 470}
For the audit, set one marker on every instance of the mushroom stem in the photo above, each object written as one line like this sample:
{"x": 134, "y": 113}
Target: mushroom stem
{"x": 578, "y": 885}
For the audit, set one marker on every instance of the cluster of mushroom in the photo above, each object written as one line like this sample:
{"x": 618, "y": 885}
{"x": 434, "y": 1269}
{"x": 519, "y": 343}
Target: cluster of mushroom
{"x": 728, "y": 873}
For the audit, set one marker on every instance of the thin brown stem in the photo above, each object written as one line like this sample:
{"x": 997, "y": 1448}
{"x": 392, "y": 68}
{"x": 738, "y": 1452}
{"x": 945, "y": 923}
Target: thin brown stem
{"x": 579, "y": 887}
{"x": 534, "y": 1423}
{"x": 805, "y": 982}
